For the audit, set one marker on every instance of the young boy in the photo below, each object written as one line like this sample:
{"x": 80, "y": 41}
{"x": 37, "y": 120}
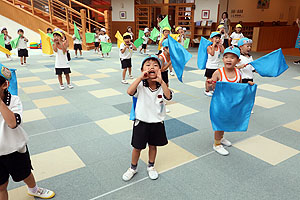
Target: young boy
{"x": 181, "y": 37}
{"x": 214, "y": 52}
{"x": 103, "y": 37}
{"x": 126, "y": 51}
{"x": 7, "y": 39}
{"x": 97, "y": 43}
{"x": 61, "y": 61}
{"x": 77, "y": 44}
{"x": 22, "y": 47}
{"x": 236, "y": 36}
{"x": 151, "y": 92}
{"x": 14, "y": 155}
{"x": 229, "y": 73}
{"x": 146, "y": 40}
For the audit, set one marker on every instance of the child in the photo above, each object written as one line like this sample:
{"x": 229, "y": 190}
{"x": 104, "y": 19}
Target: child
{"x": 165, "y": 61}
{"x": 236, "y": 36}
{"x": 103, "y": 37}
{"x": 229, "y": 73}
{"x": 224, "y": 35}
{"x": 181, "y": 37}
{"x": 129, "y": 30}
{"x": 97, "y": 43}
{"x": 126, "y": 51}
{"x": 77, "y": 44}
{"x": 214, "y": 53}
{"x": 61, "y": 61}
{"x": 297, "y": 62}
{"x": 49, "y": 30}
{"x": 7, "y": 39}
{"x": 14, "y": 155}
{"x": 146, "y": 40}
{"x": 151, "y": 92}
{"x": 22, "y": 47}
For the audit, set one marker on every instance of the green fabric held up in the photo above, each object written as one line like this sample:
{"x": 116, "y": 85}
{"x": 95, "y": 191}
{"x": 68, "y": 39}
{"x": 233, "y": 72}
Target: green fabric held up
{"x": 2, "y": 42}
{"x": 14, "y": 42}
{"x": 186, "y": 43}
{"x": 106, "y": 47}
{"x": 76, "y": 33}
{"x": 51, "y": 36}
{"x": 90, "y": 37}
{"x": 138, "y": 42}
{"x": 165, "y": 23}
{"x": 154, "y": 34}
{"x": 141, "y": 33}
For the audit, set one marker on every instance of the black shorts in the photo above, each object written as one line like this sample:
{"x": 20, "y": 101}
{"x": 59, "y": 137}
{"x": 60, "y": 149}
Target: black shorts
{"x": 59, "y": 71}
{"x": 148, "y": 133}
{"x": 17, "y": 165}
{"x": 144, "y": 46}
{"x": 97, "y": 44}
{"x": 246, "y": 80}
{"x": 209, "y": 72}
{"x": 8, "y": 46}
{"x": 77, "y": 47}
{"x": 22, "y": 53}
{"x": 126, "y": 63}
{"x": 165, "y": 76}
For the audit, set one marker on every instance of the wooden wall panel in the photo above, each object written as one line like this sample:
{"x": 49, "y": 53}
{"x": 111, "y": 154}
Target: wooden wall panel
{"x": 120, "y": 26}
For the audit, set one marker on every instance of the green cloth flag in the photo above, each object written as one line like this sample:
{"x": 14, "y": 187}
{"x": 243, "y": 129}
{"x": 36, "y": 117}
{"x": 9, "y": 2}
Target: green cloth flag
{"x": 76, "y": 33}
{"x": 141, "y": 33}
{"x": 165, "y": 23}
{"x": 90, "y": 37}
{"x": 2, "y": 42}
{"x": 154, "y": 34}
{"x": 138, "y": 42}
{"x": 186, "y": 43}
{"x": 51, "y": 36}
{"x": 14, "y": 42}
{"x": 106, "y": 47}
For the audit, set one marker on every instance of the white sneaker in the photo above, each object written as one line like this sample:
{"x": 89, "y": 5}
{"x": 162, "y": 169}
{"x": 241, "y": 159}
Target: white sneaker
{"x": 76, "y": 56}
{"x": 220, "y": 150}
{"x": 102, "y": 56}
{"x": 172, "y": 73}
{"x": 252, "y": 112}
{"x": 130, "y": 76}
{"x": 212, "y": 92}
{"x": 124, "y": 82}
{"x": 152, "y": 173}
{"x": 108, "y": 56}
{"x": 42, "y": 193}
{"x": 21, "y": 64}
{"x": 62, "y": 87}
{"x": 208, "y": 94}
{"x": 167, "y": 110}
{"x": 226, "y": 142}
{"x": 127, "y": 176}
{"x": 70, "y": 86}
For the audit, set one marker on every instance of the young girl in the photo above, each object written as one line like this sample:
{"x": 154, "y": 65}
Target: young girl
{"x": 146, "y": 40}
{"x": 22, "y": 47}
{"x": 165, "y": 61}
{"x": 129, "y": 30}
{"x": 181, "y": 37}
{"x": 7, "y": 39}
{"x": 214, "y": 53}
{"x": 61, "y": 61}
{"x": 14, "y": 155}
{"x": 224, "y": 35}
{"x": 97, "y": 43}
{"x": 103, "y": 37}
{"x": 236, "y": 36}
{"x": 229, "y": 73}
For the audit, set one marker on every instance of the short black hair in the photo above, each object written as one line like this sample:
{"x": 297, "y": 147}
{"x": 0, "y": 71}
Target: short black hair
{"x": 225, "y": 14}
{"x": 127, "y": 37}
{"x": 2, "y": 80}
{"x": 49, "y": 29}
{"x": 20, "y": 30}
{"x": 57, "y": 34}
{"x": 153, "y": 59}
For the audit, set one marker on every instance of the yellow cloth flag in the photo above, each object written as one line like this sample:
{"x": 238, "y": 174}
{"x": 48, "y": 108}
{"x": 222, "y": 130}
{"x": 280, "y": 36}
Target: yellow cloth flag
{"x": 46, "y": 44}
{"x": 4, "y": 50}
{"x": 174, "y": 36}
{"x": 119, "y": 38}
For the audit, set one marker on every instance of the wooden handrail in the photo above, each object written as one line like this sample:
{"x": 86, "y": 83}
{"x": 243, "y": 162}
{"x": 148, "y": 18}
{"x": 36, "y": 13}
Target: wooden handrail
{"x": 87, "y": 7}
{"x": 32, "y": 7}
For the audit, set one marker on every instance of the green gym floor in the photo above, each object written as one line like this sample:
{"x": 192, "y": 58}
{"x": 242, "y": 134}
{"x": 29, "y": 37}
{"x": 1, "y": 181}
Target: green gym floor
{"x": 79, "y": 139}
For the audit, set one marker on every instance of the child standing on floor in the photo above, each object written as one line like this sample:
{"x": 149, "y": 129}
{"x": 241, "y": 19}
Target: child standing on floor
{"x": 146, "y": 40}
{"x": 224, "y": 35}
{"x": 165, "y": 61}
{"x": 236, "y": 36}
{"x": 151, "y": 92}
{"x": 103, "y": 37}
{"x": 14, "y": 155}
{"x": 77, "y": 44}
{"x": 126, "y": 51}
{"x": 7, "y": 39}
{"x": 97, "y": 42}
{"x": 181, "y": 38}
{"x": 61, "y": 61}
{"x": 22, "y": 47}
{"x": 229, "y": 73}
{"x": 214, "y": 53}
{"x": 130, "y": 32}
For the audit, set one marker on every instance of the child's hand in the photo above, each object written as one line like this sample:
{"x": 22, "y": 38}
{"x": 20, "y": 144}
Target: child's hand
{"x": 297, "y": 20}
{"x": 251, "y": 83}
{"x": 158, "y": 77}
{"x": 144, "y": 75}
{"x": 210, "y": 82}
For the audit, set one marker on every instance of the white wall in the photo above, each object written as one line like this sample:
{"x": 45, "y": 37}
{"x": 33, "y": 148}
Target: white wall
{"x": 122, "y": 5}
{"x": 211, "y": 5}
{"x": 12, "y": 28}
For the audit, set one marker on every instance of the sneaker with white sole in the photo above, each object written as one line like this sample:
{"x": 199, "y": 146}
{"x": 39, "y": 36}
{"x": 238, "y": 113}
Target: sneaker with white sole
{"x": 62, "y": 87}
{"x": 152, "y": 173}
{"x": 220, "y": 150}
{"x": 209, "y": 94}
{"x": 252, "y": 112}
{"x": 21, "y": 64}
{"x": 226, "y": 142}
{"x": 127, "y": 176}
{"x": 167, "y": 110}
{"x": 42, "y": 193}
{"x": 297, "y": 62}
{"x": 172, "y": 73}
{"x": 76, "y": 56}
{"x": 70, "y": 86}
{"x": 124, "y": 82}
{"x": 130, "y": 76}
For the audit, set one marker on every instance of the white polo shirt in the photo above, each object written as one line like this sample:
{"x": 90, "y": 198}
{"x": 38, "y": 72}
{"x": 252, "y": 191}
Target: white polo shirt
{"x": 150, "y": 106}
{"x": 12, "y": 140}
{"x": 146, "y": 39}
{"x": 236, "y": 37}
{"x": 128, "y": 52}
{"x": 22, "y": 44}
{"x": 76, "y": 41}
{"x": 104, "y": 38}
{"x": 247, "y": 72}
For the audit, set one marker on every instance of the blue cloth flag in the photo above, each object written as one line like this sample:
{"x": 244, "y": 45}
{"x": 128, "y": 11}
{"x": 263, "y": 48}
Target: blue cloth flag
{"x": 231, "y": 106}
{"x": 132, "y": 112}
{"x": 179, "y": 57}
{"x": 202, "y": 53}
{"x": 297, "y": 45}
{"x": 13, "y": 84}
{"x": 270, "y": 65}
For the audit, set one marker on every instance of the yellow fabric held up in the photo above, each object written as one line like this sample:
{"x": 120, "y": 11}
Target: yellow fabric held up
{"x": 4, "y": 50}
{"x": 46, "y": 44}
{"x": 119, "y": 38}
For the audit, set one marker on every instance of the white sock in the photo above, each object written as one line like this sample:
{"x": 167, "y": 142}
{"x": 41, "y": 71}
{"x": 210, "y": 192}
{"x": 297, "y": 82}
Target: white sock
{"x": 33, "y": 190}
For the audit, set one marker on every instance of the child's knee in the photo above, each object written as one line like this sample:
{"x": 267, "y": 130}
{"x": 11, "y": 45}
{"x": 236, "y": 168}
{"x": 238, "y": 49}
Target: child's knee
{"x": 151, "y": 147}
{"x": 137, "y": 150}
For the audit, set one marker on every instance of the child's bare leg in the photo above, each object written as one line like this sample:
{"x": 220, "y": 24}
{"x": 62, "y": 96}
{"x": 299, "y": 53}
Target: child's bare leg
{"x": 21, "y": 59}
{"x": 206, "y": 85}
{"x": 171, "y": 68}
{"x": 124, "y": 73}
{"x": 24, "y": 59}
{"x": 129, "y": 70}
{"x": 60, "y": 79}
{"x": 135, "y": 156}
{"x": 30, "y": 181}
{"x": 80, "y": 52}
{"x": 152, "y": 153}
{"x": 7, "y": 56}
{"x": 76, "y": 52}
{"x": 218, "y": 137}
{"x": 68, "y": 78}
{"x": 3, "y": 191}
